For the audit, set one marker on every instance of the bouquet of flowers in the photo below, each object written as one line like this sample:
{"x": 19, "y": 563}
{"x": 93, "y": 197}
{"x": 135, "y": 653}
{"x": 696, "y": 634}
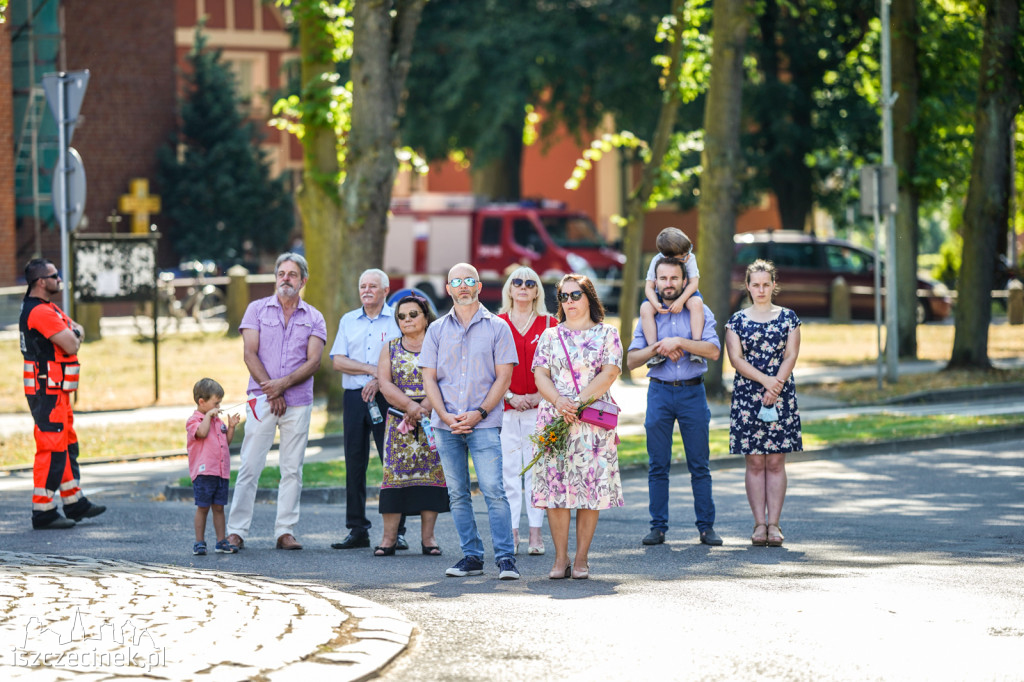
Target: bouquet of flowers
{"x": 551, "y": 441}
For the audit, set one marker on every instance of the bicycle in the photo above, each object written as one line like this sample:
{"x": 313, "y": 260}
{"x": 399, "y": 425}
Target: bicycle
{"x": 203, "y": 302}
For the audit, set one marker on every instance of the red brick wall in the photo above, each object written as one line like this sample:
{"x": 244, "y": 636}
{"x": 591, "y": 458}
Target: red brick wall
{"x": 8, "y": 269}
{"x": 129, "y": 107}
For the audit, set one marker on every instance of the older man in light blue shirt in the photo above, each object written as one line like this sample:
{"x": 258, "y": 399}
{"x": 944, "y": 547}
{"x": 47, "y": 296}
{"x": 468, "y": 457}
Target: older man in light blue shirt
{"x": 362, "y": 333}
{"x": 467, "y": 362}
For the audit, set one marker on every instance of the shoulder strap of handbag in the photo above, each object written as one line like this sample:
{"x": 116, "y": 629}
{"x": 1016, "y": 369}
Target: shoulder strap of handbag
{"x": 572, "y": 371}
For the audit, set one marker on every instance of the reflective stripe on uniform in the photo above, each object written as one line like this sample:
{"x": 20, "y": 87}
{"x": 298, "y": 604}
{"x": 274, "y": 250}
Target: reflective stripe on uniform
{"x": 69, "y": 485}
{"x": 40, "y": 506}
{"x": 71, "y": 372}
{"x": 70, "y": 497}
{"x": 29, "y": 374}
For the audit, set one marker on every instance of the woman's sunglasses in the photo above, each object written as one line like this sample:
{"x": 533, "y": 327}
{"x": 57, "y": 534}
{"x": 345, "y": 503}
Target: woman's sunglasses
{"x": 412, "y": 315}
{"x": 574, "y": 295}
{"x": 528, "y": 283}
{"x": 459, "y": 281}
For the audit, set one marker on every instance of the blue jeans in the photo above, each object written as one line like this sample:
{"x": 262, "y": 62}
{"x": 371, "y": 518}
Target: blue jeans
{"x": 687, "y": 405}
{"x": 485, "y": 447}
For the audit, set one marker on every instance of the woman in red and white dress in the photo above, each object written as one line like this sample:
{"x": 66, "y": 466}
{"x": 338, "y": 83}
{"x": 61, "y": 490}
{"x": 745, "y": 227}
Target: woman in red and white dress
{"x": 522, "y": 306}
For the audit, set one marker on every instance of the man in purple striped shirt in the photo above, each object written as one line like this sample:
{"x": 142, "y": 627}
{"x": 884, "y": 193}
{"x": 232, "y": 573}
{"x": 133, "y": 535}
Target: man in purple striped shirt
{"x": 467, "y": 362}
{"x": 283, "y": 339}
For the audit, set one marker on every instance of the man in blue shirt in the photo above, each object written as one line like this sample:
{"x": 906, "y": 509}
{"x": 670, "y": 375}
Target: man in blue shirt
{"x": 676, "y": 394}
{"x": 362, "y": 333}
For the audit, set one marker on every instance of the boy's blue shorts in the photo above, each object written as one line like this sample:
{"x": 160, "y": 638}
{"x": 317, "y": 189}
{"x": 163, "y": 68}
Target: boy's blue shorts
{"x": 210, "y": 490}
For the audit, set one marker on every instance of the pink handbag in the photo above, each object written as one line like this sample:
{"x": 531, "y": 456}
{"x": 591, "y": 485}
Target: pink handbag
{"x": 602, "y": 413}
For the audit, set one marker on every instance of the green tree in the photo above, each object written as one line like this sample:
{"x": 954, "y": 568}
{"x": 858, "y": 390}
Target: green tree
{"x": 349, "y": 135}
{"x": 986, "y": 214}
{"x": 721, "y": 181}
{"x": 807, "y": 117}
{"x": 478, "y": 67}
{"x": 214, "y": 178}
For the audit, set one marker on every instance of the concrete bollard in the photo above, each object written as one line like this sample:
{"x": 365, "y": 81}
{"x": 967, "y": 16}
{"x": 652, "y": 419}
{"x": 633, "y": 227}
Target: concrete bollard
{"x": 238, "y": 297}
{"x": 88, "y": 315}
{"x": 839, "y": 300}
{"x": 1015, "y": 302}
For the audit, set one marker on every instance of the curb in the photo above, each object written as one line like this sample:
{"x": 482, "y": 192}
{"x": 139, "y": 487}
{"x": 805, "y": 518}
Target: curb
{"x": 336, "y": 495}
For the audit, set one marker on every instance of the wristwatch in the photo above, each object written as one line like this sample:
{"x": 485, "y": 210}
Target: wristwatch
{"x": 509, "y": 395}
{"x": 482, "y": 411}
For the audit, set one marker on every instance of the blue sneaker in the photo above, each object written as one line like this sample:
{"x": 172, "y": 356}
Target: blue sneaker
{"x": 199, "y": 549}
{"x": 225, "y": 547}
{"x": 469, "y": 565}
{"x": 507, "y": 569}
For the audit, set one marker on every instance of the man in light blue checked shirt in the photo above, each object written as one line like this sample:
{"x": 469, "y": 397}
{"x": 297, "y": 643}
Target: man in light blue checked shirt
{"x": 467, "y": 362}
{"x": 362, "y": 333}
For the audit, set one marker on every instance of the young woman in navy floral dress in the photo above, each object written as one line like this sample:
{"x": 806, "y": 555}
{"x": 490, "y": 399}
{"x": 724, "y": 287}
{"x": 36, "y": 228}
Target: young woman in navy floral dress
{"x": 763, "y": 342}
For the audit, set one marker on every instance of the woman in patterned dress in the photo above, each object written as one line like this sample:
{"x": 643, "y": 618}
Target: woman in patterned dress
{"x": 763, "y": 342}
{"x": 586, "y": 476}
{"x": 413, "y": 481}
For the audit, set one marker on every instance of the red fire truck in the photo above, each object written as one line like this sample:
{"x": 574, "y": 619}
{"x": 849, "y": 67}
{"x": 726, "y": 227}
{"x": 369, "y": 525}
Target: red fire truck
{"x": 428, "y": 234}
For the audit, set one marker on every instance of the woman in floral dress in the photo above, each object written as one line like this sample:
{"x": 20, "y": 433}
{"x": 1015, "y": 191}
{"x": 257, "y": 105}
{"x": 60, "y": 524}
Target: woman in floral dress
{"x": 763, "y": 342}
{"x": 413, "y": 481}
{"x": 586, "y": 476}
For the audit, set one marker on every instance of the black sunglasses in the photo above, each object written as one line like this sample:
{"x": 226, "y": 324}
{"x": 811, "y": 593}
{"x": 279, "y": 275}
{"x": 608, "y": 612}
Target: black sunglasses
{"x": 55, "y": 275}
{"x": 528, "y": 283}
{"x": 412, "y": 315}
{"x": 575, "y": 295}
{"x": 459, "y": 281}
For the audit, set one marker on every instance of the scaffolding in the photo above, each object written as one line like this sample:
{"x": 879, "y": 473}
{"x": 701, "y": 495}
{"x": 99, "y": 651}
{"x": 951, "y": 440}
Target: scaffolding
{"x": 35, "y": 50}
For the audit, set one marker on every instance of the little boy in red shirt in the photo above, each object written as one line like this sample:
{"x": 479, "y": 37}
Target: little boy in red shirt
{"x": 209, "y": 462}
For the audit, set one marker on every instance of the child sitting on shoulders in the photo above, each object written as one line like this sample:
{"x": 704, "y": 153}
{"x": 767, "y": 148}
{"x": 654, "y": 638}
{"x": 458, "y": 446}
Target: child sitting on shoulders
{"x": 209, "y": 462}
{"x": 672, "y": 243}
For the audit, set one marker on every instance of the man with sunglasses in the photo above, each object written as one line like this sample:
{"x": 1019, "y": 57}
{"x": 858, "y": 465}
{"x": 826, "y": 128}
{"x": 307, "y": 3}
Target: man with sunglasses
{"x": 362, "y": 333}
{"x": 49, "y": 344}
{"x": 676, "y": 395}
{"x": 467, "y": 362}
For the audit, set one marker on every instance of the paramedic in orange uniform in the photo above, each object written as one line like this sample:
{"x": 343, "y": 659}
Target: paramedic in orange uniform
{"x": 49, "y": 344}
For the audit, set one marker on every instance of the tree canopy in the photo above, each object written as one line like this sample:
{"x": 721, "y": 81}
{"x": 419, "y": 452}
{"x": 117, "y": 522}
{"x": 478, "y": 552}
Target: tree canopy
{"x": 214, "y": 178}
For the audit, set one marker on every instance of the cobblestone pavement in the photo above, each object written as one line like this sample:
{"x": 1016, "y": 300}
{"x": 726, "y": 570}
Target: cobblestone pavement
{"x": 78, "y": 618}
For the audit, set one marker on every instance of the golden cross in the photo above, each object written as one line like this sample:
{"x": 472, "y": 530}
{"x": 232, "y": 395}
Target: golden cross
{"x": 139, "y": 203}
{"x": 113, "y": 219}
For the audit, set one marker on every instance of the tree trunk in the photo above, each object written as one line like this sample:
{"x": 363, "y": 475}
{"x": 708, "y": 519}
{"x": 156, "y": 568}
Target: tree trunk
{"x": 636, "y": 205}
{"x": 722, "y": 160}
{"x": 986, "y": 213}
{"x": 318, "y": 200}
{"x": 501, "y": 178}
{"x": 345, "y": 233}
{"x": 905, "y": 82}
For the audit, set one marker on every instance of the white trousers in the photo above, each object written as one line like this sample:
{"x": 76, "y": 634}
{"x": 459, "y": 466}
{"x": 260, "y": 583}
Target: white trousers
{"x": 516, "y": 452}
{"x": 259, "y": 437}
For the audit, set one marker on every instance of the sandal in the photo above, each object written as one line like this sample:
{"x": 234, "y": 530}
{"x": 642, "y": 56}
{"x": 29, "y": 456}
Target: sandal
{"x": 775, "y": 539}
{"x": 757, "y": 539}
{"x": 380, "y": 550}
{"x": 560, "y": 575}
{"x": 431, "y": 550}
{"x": 581, "y": 573}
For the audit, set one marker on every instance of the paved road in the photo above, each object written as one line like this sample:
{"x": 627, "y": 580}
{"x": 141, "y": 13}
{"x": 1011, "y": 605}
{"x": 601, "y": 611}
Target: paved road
{"x": 904, "y": 566}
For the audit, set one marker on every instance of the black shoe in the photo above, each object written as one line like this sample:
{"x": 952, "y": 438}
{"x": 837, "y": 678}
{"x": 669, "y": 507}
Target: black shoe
{"x": 401, "y": 543}
{"x": 90, "y": 511}
{"x": 352, "y": 541}
{"x": 58, "y": 523}
{"x": 655, "y": 537}
{"x": 710, "y": 537}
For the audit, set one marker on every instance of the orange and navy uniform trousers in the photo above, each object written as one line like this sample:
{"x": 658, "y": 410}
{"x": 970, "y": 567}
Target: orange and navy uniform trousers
{"x": 51, "y": 376}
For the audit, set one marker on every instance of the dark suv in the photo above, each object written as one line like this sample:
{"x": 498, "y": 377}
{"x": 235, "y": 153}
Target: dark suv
{"x": 807, "y": 266}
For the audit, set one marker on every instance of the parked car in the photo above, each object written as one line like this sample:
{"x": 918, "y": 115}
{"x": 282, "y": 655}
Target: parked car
{"x": 807, "y": 266}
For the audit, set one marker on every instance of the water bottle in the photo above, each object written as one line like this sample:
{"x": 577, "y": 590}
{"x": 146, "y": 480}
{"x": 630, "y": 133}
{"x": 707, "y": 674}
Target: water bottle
{"x": 428, "y": 431}
{"x": 375, "y": 415}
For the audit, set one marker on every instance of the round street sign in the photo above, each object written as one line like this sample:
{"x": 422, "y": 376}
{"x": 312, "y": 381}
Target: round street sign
{"x": 76, "y": 189}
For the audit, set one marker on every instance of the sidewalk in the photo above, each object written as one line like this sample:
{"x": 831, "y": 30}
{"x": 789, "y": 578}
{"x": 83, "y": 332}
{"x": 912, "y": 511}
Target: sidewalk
{"x": 118, "y": 619}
